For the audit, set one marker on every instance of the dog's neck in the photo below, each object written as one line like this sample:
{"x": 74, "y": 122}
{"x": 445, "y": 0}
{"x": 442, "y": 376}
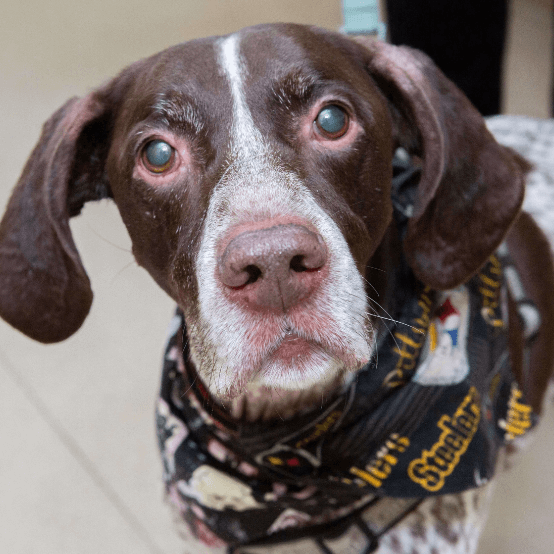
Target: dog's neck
{"x": 259, "y": 403}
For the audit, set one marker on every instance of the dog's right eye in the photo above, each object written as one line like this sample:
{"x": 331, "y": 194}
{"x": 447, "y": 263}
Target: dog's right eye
{"x": 332, "y": 122}
{"x": 158, "y": 156}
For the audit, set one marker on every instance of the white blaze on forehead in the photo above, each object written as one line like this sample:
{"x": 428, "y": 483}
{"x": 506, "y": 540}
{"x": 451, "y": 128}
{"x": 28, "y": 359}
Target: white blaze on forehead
{"x": 246, "y": 138}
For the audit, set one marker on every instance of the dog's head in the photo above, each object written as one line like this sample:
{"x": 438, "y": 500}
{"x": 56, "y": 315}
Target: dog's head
{"x": 253, "y": 173}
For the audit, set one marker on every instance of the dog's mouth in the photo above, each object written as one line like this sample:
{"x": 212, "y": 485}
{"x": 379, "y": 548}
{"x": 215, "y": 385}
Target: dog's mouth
{"x": 295, "y": 375}
{"x": 298, "y": 363}
{"x": 293, "y": 350}
{"x": 278, "y": 366}
{"x": 276, "y": 357}
{"x": 294, "y": 365}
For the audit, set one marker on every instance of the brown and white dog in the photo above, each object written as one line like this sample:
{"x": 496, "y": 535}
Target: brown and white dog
{"x": 253, "y": 173}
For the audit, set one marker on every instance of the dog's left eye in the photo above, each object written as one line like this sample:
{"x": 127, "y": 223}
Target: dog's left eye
{"x": 158, "y": 156}
{"x": 332, "y": 122}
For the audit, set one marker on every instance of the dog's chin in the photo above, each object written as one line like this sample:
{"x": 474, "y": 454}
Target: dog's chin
{"x": 278, "y": 373}
{"x": 296, "y": 377}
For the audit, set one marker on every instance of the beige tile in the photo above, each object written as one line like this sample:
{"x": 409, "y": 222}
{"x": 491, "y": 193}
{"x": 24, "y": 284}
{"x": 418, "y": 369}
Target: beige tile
{"x": 522, "y": 510}
{"x": 49, "y": 503}
{"x": 529, "y": 59}
{"x": 101, "y": 384}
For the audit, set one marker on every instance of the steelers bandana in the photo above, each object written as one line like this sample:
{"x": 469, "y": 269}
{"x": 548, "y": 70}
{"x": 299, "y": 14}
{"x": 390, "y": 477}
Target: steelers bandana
{"x": 426, "y": 416}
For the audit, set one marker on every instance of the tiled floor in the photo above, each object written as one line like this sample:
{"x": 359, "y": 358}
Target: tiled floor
{"x": 79, "y": 471}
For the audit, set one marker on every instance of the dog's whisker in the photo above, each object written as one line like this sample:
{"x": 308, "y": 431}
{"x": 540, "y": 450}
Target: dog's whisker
{"x": 275, "y": 408}
{"x": 370, "y": 284}
{"x": 375, "y": 268}
{"x": 123, "y": 269}
{"x": 388, "y": 329}
{"x": 390, "y": 318}
{"x": 107, "y": 241}
{"x": 183, "y": 394}
{"x": 415, "y": 329}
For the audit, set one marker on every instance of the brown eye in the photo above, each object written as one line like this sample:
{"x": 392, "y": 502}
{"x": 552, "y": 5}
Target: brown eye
{"x": 332, "y": 122}
{"x": 158, "y": 156}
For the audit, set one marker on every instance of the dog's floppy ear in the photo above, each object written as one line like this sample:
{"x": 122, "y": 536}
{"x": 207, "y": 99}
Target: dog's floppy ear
{"x": 471, "y": 187}
{"x": 44, "y": 289}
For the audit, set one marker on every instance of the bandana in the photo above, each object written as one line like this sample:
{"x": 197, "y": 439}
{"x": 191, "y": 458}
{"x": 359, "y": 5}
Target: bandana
{"x": 426, "y": 416}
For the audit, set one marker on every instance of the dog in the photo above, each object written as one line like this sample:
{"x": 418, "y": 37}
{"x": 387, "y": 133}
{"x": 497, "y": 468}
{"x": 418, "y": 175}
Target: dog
{"x": 335, "y": 223}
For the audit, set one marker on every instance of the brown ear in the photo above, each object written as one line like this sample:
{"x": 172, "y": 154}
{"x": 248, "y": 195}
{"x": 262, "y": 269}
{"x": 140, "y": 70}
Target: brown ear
{"x": 44, "y": 289}
{"x": 471, "y": 187}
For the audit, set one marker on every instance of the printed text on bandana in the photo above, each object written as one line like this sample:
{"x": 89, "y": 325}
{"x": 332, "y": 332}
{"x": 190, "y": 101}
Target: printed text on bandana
{"x": 380, "y": 468}
{"x": 435, "y": 465}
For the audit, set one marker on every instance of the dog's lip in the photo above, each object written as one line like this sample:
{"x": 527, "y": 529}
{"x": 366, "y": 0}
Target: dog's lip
{"x": 291, "y": 348}
{"x": 296, "y": 346}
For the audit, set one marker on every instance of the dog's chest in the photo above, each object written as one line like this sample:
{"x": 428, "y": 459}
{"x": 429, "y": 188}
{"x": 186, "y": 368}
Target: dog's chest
{"x": 449, "y": 524}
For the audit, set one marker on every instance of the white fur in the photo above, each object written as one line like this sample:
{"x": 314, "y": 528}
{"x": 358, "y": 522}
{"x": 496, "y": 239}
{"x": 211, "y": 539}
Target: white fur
{"x": 233, "y": 343}
{"x": 247, "y": 139}
{"x": 449, "y": 524}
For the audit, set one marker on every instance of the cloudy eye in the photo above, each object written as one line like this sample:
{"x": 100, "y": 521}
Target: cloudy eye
{"x": 332, "y": 122}
{"x": 158, "y": 156}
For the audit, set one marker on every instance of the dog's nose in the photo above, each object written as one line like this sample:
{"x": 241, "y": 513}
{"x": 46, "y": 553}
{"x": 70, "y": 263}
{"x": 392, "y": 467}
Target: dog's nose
{"x": 273, "y": 268}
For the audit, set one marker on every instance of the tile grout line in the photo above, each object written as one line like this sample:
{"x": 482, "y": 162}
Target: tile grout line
{"x": 78, "y": 453}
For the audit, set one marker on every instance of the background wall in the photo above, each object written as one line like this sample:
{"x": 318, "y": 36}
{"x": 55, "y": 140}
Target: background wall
{"x": 79, "y": 470}
{"x": 528, "y": 67}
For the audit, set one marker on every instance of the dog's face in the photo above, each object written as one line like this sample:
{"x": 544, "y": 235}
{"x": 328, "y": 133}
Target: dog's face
{"x": 262, "y": 222}
{"x": 253, "y": 173}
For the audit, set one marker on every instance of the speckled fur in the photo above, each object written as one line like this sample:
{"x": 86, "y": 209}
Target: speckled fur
{"x": 449, "y": 524}
{"x": 534, "y": 140}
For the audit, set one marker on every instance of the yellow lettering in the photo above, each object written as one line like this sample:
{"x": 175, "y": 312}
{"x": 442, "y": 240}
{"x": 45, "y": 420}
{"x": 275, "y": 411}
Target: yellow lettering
{"x": 490, "y": 282}
{"x": 487, "y": 293}
{"x": 366, "y": 477}
{"x": 381, "y": 467}
{"x": 435, "y": 465}
{"x": 320, "y": 428}
{"x": 518, "y": 419}
{"x": 455, "y": 442}
{"x": 407, "y": 340}
{"x": 404, "y": 353}
{"x": 408, "y": 348}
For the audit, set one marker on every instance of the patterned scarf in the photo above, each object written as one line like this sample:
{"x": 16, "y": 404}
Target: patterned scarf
{"x": 426, "y": 416}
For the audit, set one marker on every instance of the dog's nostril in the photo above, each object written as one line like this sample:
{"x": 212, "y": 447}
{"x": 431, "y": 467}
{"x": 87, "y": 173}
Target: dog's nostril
{"x": 297, "y": 264}
{"x": 254, "y": 273}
